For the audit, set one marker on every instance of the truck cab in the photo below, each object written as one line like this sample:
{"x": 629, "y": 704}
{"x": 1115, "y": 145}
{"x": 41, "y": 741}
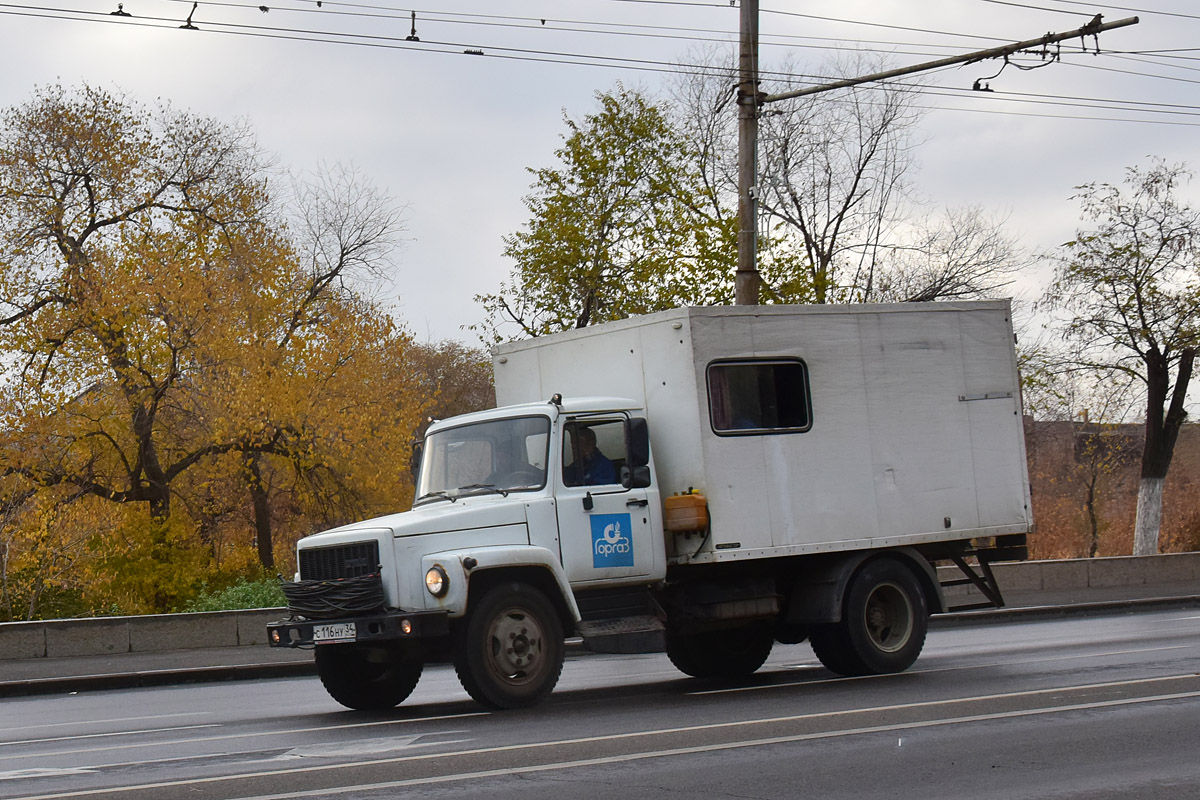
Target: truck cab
{"x": 557, "y": 497}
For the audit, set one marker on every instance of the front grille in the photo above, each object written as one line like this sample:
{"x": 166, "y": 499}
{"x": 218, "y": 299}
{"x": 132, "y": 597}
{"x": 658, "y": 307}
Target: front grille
{"x": 330, "y": 599}
{"x": 339, "y": 561}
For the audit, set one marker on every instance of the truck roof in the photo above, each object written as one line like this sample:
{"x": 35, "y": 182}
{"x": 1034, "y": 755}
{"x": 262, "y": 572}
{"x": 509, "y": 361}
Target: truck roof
{"x": 683, "y": 314}
{"x": 569, "y": 405}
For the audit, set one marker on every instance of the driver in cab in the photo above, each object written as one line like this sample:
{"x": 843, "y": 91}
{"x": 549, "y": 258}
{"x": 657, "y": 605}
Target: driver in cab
{"x": 590, "y": 467}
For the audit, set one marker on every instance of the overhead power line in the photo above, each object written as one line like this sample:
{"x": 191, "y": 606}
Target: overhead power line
{"x": 1093, "y": 6}
{"x": 880, "y": 25}
{"x": 1091, "y": 29}
{"x": 446, "y": 47}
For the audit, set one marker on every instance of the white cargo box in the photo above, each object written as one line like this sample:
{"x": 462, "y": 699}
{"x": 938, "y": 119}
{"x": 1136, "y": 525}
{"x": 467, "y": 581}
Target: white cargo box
{"x": 910, "y": 430}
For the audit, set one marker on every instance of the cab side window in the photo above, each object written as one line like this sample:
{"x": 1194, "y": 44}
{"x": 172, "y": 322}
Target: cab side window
{"x": 593, "y": 452}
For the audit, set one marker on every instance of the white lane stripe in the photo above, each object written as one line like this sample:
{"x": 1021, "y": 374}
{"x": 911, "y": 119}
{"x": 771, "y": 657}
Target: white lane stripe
{"x": 1019, "y": 693}
{"x": 239, "y": 754}
{"x": 107, "y": 721}
{"x": 560, "y": 765}
{"x": 228, "y": 736}
{"x": 108, "y": 735}
{"x": 43, "y": 772}
{"x": 933, "y": 670}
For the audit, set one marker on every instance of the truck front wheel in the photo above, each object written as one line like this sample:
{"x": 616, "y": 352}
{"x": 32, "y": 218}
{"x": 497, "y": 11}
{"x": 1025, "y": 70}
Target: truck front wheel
{"x": 884, "y": 622}
{"x": 368, "y": 678}
{"x": 732, "y": 653}
{"x": 509, "y": 651}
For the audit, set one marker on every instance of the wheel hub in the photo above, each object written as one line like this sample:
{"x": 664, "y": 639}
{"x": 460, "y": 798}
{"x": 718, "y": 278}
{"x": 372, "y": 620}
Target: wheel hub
{"x": 889, "y": 617}
{"x": 516, "y": 644}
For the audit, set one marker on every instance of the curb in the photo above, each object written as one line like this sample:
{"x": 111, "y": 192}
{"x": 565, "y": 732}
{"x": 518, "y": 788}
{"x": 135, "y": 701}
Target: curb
{"x": 1026, "y": 613}
{"x": 158, "y": 677}
{"x": 171, "y": 677}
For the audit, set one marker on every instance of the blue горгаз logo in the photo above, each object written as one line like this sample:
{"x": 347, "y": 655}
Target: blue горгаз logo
{"x": 612, "y": 540}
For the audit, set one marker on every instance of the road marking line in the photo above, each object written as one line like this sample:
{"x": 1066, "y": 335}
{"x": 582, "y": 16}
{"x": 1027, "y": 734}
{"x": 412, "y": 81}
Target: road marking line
{"x": 243, "y": 753}
{"x": 606, "y": 760}
{"x": 934, "y": 670}
{"x": 43, "y": 772}
{"x": 225, "y": 736}
{"x": 1077, "y": 687}
{"x": 110, "y": 734}
{"x": 118, "y": 719}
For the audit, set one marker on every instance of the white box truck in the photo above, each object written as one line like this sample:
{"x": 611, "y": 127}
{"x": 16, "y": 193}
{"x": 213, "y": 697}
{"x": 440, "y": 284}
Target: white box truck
{"x": 707, "y": 481}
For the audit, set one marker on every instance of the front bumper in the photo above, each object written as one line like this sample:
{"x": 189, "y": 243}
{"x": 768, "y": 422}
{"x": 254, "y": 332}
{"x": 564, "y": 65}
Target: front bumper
{"x": 385, "y": 627}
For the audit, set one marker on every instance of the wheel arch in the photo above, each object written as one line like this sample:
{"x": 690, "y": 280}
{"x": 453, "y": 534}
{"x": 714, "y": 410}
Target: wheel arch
{"x": 926, "y": 575}
{"x": 818, "y": 593}
{"x": 484, "y": 580}
{"x": 472, "y": 572}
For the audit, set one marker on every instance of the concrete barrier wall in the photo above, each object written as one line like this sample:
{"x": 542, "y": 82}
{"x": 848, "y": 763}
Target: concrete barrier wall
{"x": 1181, "y": 570}
{"x": 63, "y": 638}
{"x": 105, "y": 635}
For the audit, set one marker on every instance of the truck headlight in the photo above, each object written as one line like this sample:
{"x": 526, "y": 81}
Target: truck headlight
{"x": 436, "y": 581}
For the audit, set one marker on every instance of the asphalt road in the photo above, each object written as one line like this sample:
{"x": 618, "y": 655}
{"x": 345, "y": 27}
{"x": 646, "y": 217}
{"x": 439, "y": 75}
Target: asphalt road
{"x": 1098, "y": 707}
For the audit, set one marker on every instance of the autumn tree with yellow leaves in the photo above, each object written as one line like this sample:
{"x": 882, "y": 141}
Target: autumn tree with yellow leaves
{"x": 184, "y": 341}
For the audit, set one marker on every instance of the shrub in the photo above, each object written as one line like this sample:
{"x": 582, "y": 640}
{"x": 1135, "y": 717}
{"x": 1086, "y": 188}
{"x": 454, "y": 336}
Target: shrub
{"x": 261, "y": 593}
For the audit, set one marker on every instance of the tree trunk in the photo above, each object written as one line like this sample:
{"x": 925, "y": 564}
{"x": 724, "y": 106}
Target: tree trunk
{"x": 1149, "y": 517}
{"x": 1162, "y": 431}
{"x": 1093, "y": 520}
{"x": 262, "y": 515}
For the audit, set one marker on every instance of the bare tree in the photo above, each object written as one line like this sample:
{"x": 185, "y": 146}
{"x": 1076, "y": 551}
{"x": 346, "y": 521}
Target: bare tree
{"x": 834, "y": 169}
{"x": 346, "y": 231}
{"x": 961, "y": 255}
{"x": 1130, "y": 282}
{"x": 840, "y": 222}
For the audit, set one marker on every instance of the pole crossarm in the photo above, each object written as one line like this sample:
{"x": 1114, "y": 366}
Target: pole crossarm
{"x": 747, "y": 281}
{"x": 1091, "y": 29}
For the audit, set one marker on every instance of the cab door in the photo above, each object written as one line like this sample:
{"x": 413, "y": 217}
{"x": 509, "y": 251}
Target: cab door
{"x": 605, "y": 529}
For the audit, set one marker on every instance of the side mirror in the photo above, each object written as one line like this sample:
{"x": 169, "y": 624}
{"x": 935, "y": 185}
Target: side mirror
{"x": 637, "y": 442}
{"x": 635, "y": 474}
{"x": 414, "y": 462}
{"x": 635, "y": 477}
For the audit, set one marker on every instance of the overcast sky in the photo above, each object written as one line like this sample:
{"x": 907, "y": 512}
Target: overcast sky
{"x": 450, "y": 135}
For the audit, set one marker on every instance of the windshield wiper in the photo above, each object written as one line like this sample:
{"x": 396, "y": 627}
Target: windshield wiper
{"x": 489, "y": 486}
{"x": 439, "y": 495}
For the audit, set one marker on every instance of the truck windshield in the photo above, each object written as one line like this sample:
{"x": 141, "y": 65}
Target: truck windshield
{"x": 502, "y": 456}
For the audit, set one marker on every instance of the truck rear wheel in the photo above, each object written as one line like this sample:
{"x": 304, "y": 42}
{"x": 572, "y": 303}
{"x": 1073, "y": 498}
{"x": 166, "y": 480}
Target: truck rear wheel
{"x": 509, "y": 652}
{"x": 732, "y": 653}
{"x": 884, "y": 622}
{"x": 368, "y": 678}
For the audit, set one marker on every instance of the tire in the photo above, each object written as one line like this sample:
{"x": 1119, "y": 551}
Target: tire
{"x": 884, "y": 622}
{"x": 731, "y": 653}
{"x": 792, "y": 634}
{"x": 368, "y": 678}
{"x": 509, "y": 652}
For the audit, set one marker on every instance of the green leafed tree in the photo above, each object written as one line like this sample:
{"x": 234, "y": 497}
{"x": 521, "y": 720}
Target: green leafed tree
{"x": 1130, "y": 283}
{"x": 623, "y": 225}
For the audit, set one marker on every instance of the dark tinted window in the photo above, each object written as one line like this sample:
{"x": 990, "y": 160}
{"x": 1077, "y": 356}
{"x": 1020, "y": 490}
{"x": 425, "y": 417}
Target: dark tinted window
{"x": 754, "y": 397}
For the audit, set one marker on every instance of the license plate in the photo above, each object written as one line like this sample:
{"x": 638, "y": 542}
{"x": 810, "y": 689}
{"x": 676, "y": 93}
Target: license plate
{"x": 334, "y": 632}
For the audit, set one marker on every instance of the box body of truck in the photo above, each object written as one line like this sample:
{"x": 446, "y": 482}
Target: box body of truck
{"x": 706, "y": 481}
{"x": 885, "y": 425}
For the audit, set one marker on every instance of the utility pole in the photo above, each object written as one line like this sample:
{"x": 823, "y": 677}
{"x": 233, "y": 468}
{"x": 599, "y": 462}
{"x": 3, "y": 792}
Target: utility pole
{"x": 746, "y": 282}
